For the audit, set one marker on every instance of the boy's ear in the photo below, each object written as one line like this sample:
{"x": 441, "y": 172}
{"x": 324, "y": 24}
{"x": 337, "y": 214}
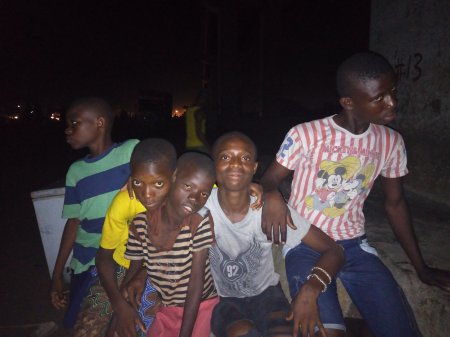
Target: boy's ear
{"x": 346, "y": 103}
{"x": 130, "y": 188}
{"x": 255, "y": 168}
{"x": 174, "y": 176}
{"x": 101, "y": 121}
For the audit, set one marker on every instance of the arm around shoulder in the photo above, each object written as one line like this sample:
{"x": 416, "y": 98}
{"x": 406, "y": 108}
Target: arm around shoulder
{"x": 273, "y": 176}
{"x": 275, "y": 214}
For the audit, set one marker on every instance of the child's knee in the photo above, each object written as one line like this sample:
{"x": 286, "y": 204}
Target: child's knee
{"x": 280, "y": 331}
{"x": 277, "y": 325}
{"x": 333, "y": 333}
{"x": 242, "y": 328}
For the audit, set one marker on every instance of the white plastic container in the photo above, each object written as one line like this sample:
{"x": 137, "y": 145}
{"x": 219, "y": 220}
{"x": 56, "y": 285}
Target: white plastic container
{"x": 48, "y": 205}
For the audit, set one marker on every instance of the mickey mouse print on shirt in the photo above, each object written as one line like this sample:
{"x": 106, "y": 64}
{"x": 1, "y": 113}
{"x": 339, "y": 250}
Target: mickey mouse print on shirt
{"x": 337, "y": 183}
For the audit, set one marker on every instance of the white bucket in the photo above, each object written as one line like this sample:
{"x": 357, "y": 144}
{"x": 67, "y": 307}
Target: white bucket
{"x": 48, "y": 205}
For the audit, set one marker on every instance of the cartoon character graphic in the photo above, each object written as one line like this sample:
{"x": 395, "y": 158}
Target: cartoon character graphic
{"x": 355, "y": 186}
{"x": 337, "y": 184}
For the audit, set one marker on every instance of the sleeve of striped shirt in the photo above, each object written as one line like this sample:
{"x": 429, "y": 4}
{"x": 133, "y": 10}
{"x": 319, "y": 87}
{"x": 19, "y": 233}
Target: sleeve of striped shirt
{"x": 203, "y": 237}
{"x": 135, "y": 250}
{"x": 396, "y": 165}
{"x": 72, "y": 203}
{"x": 288, "y": 154}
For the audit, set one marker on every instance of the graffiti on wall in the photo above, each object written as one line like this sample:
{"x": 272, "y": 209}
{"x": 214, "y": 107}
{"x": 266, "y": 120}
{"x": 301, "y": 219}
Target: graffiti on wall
{"x": 408, "y": 68}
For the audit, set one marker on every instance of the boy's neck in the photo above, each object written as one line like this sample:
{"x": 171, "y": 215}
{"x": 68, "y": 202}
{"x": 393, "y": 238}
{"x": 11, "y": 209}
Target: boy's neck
{"x": 100, "y": 146}
{"x": 235, "y": 204}
{"x": 164, "y": 232}
{"x": 349, "y": 123}
{"x": 170, "y": 220}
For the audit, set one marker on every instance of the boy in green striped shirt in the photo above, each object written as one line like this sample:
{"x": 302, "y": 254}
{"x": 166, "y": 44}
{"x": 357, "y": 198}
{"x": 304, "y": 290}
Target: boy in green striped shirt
{"x": 91, "y": 184}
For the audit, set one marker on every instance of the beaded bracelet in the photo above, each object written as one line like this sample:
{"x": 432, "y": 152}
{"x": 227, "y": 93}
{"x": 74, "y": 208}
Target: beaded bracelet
{"x": 320, "y": 280}
{"x": 323, "y": 271}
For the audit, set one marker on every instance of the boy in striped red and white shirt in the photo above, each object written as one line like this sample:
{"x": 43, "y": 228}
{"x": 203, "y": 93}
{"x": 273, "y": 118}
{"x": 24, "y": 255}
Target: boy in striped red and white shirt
{"x": 335, "y": 162}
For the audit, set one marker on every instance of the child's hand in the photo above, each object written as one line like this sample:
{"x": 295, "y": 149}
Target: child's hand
{"x": 125, "y": 321}
{"x": 256, "y": 191}
{"x": 276, "y": 217}
{"x": 57, "y": 295}
{"x": 134, "y": 289}
{"x": 305, "y": 313}
{"x": 436, "y": 277}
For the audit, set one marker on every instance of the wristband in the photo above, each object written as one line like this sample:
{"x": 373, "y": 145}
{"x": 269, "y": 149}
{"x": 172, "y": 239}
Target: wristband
{"x": 323, "y": 271}
{"x": 320, "y": 280}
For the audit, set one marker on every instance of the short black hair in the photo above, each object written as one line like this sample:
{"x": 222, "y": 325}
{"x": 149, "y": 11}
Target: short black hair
{"x": 154, "y": 150}
{"x": 360, "y": 67}
{"x": 197, "y": 161}
{"x": 97, "y": 104}
{"x": 234, "y": 134}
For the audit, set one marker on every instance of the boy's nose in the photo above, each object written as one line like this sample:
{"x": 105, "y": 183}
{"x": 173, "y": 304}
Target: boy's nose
{"x": 391, "y": 101}
{"x": 235, "y": 162}
{"x": 148, "y": 191}
{"x": 194, "y": 197}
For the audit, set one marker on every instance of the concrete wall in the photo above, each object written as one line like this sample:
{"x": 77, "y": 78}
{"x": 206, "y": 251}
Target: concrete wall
{"x": 415, "y": 36}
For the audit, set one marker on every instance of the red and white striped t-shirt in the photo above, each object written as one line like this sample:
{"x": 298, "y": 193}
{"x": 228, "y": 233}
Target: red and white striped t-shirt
{"x": 334, "y": 171}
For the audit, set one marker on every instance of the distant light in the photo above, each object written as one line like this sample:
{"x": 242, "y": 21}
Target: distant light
{"x": 18, "y": 106}
{"x": 16, "y": 117}
{"x": 177, "y": 113}
{"x": 31, "y": 111}
{"x": 55, "y": 116}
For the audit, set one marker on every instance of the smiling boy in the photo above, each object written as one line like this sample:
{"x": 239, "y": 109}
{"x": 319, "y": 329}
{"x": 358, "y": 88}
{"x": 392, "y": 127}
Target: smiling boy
{"x": 252, "y": 302}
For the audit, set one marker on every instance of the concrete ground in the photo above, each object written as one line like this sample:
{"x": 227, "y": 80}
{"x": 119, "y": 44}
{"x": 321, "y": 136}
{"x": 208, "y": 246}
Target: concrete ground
{"x": 34, "y": 157}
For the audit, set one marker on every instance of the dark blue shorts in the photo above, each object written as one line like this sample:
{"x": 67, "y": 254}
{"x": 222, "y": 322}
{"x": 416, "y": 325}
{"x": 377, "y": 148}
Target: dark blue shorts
{"x": 79, "y": 285}
{"x": 369, "y": 283}
{"x": 255, "y": 308}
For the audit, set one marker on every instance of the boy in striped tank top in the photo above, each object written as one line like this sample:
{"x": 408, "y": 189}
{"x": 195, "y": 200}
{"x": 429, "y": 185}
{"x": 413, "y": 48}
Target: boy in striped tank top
{"x": 335, "y": 162}
{"x": 171, "y": 243}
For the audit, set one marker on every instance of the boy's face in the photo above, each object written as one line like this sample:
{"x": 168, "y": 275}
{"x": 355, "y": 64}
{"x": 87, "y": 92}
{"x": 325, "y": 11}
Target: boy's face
{"x": 235, "y": 161}
{"x": 190, "y": 191}
{"x": 83, "y": 127}
{"x": 374, "y": 100}
{"x": 151, "y": 183}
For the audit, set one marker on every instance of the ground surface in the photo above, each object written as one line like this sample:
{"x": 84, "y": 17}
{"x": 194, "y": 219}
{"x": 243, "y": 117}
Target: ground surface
{"x": 35, "y": 156}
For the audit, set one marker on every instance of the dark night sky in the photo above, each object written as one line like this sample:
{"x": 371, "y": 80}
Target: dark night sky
{"x": 98, "y": 48}
{"x": 51, "y": 53}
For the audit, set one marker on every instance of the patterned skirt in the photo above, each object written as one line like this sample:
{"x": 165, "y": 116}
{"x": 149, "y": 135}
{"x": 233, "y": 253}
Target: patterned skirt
{"x": 95, "y": 317}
